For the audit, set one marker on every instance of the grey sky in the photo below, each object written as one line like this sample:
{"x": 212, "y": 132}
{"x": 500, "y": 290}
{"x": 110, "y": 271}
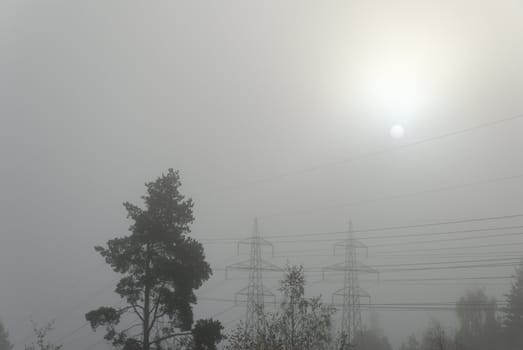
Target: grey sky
{"x": 98, "y": 97}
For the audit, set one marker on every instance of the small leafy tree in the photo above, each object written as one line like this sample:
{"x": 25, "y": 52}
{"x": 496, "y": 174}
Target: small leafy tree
{"x": 513, "y": 321}
{"x": 5, "y": 344}
{"x": 161, "y": 268}
{"x": 300, "y": 323}
{"x": 41, "y": 338}
{"x": 240, "y": 339}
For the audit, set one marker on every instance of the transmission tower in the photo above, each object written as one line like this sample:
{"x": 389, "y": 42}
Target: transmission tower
{"x": 255, "y": 292}
{"x": 351, "y": 324}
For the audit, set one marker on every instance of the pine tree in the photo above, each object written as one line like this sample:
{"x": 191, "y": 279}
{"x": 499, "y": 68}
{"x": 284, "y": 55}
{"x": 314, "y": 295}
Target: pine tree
{"x": 161, "y": 268}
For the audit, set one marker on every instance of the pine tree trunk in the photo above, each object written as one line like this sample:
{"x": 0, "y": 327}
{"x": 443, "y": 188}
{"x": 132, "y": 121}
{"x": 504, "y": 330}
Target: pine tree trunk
{"x": 146, "y": 304}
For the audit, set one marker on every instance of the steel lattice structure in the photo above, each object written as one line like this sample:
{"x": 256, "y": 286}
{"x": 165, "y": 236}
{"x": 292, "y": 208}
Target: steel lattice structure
{"x": 255, "y": 292}
{"x": 351, "y": 323}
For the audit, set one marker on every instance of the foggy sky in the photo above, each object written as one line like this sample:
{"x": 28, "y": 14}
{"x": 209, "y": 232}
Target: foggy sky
{"x": 98, "y": 97}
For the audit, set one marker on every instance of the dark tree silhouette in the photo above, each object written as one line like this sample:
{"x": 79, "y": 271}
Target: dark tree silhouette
{"x": 206, "y": 334}
{"x": 5, "y": 344}
{"x": 513, "y": 321}
{"x": 161, "y": 268}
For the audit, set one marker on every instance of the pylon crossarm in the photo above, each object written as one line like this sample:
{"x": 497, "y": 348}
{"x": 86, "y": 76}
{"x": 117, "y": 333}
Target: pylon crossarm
{"x": 336, "y": 267}
{"x": 242, "y": 291}
{"x": 266, "y": 292}
{"x": 342, "y": 291}
{"x": 363, "y": 293}
{"x": 343, "y": 245}
{"x": 257, "y": 240}
{"x": 263, "y": 242}
{"x": 343, "y": 268}
{"x": 238, "y": 293}
{"x": 352, "y": 242}
{"x": 242, "y": 265}
{"x": 365, "y": 268}
{"x": 267, "y": 266}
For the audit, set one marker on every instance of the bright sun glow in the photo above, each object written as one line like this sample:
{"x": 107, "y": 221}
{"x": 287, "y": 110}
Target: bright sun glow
{"x": 394, "y": 88}
{"x": 400, "y": 82}
{"x": 397, "y": 131}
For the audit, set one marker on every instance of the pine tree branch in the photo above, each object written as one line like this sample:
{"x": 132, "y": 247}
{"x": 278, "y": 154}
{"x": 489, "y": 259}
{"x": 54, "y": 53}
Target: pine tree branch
{"x": 156, "y": 306}
{"x": 134, "y": 306}
{"x": 170, "y": 336}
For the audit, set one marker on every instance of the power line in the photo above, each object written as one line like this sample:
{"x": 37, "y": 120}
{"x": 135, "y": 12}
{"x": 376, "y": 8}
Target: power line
{"x": 76, "y": 280}
{"x": 404, "y": 256}
{"x": 497, "y": 260}
{"x": 397, "y": 196}
{"x": 385, "y": 228}
{"x": 449, "y": 262}
{"x": 502, "y": 228}
{"x": 61, "y": 315}
{"x": 421, "y": 235}
{"x": 59, "y": 340}
{"x": 365, "y": 155}
{"x": 439, "y": 280}
{"x": 448, "y": 239}
{"x": 388, "y": 269}
{"x": 464, "y": 247}
{"x": 442, "y": 267}
{"x": 427, "y": 224}
{"x": 423, "y": 303}
{"x": 417, "y": 249}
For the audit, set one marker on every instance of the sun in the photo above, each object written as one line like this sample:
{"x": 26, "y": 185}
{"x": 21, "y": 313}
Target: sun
{"x": 397, "y": 131}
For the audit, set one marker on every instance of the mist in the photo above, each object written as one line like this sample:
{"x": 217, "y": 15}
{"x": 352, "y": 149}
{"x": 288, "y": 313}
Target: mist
{"x": 279, "y": 111}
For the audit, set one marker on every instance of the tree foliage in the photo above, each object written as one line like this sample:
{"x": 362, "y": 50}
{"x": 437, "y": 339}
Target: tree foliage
{"x": 5, "y": 344}
{"x": 513, "y": 320}
{"x": 240, "y": 339}
{"x": 300, "y": 323}
{"x": 372, "y": 338}
{"x": 41, "y": 338}
{"x": 435, "y": 338}
{"x": 411, "y": 344}
{"x": 161, "y": 268}
{"x": 206, "y": 334}
{"x": 479, "y": 327}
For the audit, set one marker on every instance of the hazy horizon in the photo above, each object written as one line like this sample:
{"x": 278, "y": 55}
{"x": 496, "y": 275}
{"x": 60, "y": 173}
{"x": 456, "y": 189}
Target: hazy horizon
{"x": 276, "y": 110}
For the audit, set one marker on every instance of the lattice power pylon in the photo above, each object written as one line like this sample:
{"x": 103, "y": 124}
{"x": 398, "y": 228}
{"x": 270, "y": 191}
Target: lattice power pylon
{"x": 255, "y": 292}
{"x": 351, "y": 324}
